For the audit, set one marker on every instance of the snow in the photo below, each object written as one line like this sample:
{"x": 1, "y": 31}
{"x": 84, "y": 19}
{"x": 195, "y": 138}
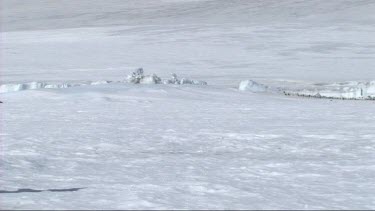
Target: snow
{"x": 215, "y": 121}
{"x": 346, "y": 90}
{"x": 45, "y": 85}
{"x": 164, "y": 147}
{"x": 138, "y": 77}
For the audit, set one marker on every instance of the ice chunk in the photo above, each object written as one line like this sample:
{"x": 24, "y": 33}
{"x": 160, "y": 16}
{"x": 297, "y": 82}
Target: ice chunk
{"x": 11, "y": 87}
{"x": 100, "y": 82}
{"x": 339, "y": 90}
{"x": 175, "y": 80}
{"x": 136, "y": 76}
{"x": 185, "y": 81}
{"x": 42, "y": 85}
{"x": 252, "y": 86}
{"x": 34, "y": 85}
{"x": 19, "y": 87}
{"x": 150, "y": 79}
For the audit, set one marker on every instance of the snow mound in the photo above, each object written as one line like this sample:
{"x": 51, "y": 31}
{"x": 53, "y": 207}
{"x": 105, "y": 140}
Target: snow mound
{"x": 4, "y": 88}
{"x": 252, "y": 86}
{"x": 138, "y": 77}
{"x": 345, "y": 90}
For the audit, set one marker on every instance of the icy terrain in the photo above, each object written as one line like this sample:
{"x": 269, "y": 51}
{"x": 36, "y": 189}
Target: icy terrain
{"x": 351, "y": 90}
{"x": 78, "y": 133}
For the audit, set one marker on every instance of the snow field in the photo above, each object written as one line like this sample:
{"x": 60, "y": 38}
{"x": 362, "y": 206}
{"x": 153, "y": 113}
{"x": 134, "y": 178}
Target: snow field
{"x": 194, "y": 147}
{"x": 151, "y": 141}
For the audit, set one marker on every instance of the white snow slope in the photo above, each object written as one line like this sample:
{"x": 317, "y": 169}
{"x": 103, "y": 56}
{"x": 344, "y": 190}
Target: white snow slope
{"x": 99, "y": 145}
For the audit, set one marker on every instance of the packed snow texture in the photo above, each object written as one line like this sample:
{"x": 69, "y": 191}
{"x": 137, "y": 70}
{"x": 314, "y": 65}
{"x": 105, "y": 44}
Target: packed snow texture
{"x": 186, "y": 147}
{"x": 161, "y": 145}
